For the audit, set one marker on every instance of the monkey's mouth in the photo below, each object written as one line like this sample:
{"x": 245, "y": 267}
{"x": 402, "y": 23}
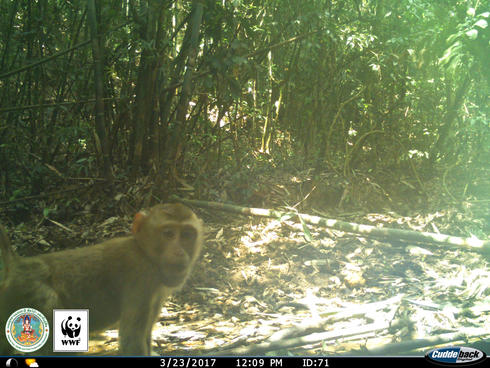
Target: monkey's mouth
{"x": 174, "y": 278}
{"x": 177, "y": 268}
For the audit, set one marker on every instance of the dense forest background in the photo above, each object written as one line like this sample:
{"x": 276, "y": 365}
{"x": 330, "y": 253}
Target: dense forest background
{"x": 373, "y": 112}
{"x": 373, "y": 98}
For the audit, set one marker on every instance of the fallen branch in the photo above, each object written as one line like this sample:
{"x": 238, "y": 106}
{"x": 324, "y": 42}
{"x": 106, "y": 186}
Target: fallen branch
{"x": 313, "y": 338}
{"x": 60, "y": 225}
{"x": 475, "y": 244}
{"x": 335, "y": 315}
{"x": 465, "y": 337}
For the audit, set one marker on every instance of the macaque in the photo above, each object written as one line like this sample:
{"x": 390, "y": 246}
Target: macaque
{"x": 122, "y": 280}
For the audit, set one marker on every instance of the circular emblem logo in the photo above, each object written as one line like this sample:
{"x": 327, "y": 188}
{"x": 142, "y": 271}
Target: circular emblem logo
{"x": 27, "y": 330}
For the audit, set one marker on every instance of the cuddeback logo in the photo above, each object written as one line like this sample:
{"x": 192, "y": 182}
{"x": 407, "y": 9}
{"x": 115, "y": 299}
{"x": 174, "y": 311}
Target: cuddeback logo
{"x": 455, "y": 355}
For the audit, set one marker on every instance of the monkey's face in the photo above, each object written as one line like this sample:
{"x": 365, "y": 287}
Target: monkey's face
{"x": 176, "y": 250}
{"x": 171, "y": 236}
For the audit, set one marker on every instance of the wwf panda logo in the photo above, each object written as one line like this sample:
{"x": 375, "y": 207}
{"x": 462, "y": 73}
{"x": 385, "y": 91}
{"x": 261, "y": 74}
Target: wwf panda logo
{"x": 70, "y": 327}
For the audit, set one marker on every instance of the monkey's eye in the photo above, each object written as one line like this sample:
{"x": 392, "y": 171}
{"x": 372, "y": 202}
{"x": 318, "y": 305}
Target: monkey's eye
{"x": 168, "y": 233}
{"x": 188, "y": 234}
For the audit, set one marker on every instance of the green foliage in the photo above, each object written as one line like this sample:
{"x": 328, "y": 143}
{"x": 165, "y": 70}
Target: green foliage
{"x": 469, "y": 45}
{"x": 293, "y": 78}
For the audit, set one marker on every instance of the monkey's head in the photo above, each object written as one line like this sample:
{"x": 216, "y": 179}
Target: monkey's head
{"x": 171, "y": 236}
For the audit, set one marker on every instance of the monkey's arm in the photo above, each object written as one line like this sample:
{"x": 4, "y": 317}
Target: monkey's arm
{"x": 136, "y": 324}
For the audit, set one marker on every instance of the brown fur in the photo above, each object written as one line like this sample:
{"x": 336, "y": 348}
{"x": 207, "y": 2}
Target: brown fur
{"x": 124, "y": 279}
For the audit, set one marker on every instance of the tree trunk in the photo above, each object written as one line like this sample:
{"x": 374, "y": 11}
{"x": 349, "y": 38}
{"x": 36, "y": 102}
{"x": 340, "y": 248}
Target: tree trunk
{"x": 100, "y": 127}
{"x": 182, "y": 107}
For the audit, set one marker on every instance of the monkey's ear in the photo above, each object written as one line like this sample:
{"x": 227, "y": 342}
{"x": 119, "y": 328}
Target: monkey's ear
{"x": 138, "y": 220}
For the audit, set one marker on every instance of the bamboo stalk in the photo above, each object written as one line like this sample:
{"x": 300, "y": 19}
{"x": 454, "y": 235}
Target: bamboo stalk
{"x": 473, "y": 243}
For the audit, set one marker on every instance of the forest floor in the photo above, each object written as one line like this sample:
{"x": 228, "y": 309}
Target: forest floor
{"x": 270, "y": 287}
